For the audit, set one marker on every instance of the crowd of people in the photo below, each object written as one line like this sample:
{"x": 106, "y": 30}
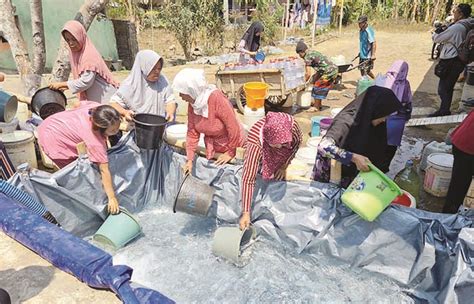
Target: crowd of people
{"x": 367, "y": 130}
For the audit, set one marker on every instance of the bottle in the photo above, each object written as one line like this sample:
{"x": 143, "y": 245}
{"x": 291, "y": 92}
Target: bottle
{"x": 409, "y": 180}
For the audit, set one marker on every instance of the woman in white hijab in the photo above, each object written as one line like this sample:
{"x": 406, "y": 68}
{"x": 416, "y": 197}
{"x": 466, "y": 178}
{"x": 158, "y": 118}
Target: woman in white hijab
{"x": 209, "y": 113}
{"x": 145, "y": 90}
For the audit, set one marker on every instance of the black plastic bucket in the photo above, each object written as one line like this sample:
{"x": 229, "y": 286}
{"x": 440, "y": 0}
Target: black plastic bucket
{"x": 46, "y": 102}
{"x": 149, "y": 130}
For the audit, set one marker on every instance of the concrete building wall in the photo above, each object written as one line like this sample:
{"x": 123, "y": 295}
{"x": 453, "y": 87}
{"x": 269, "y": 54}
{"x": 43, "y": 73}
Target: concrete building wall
{"x": 55, "y": 14}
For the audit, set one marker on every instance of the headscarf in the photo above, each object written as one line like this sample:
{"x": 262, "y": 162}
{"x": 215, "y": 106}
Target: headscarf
{"x": 252, "y": 42}
{"x": 301, "y": 46}
{"x": 141, "y": 95}
{"x": 352, "y": 128}
{"x": 193, "y": 82}
{"x": 396, "y": 80}
{"x": 88, "y": 58}
{"x": 276, "y": 130}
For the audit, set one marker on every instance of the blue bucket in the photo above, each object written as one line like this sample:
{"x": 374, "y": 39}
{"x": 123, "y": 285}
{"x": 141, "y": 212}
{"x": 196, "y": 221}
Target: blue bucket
{"x": 260, "y": 56}
{"x": 315, "y": 125}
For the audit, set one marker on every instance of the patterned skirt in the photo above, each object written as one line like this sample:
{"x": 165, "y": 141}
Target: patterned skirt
{"x": 322, "y": 86}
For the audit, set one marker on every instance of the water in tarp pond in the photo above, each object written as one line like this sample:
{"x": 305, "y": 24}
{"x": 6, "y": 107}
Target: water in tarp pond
{"x": 174, "y": 257}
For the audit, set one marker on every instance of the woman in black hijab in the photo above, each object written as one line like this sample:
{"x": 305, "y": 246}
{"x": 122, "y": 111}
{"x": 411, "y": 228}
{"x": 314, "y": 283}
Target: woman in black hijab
{"x": 250, "y": 42}
{"x": 357, "y": 136}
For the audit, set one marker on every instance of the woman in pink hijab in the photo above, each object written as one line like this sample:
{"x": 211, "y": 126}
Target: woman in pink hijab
{"x": 272, "y": 142}
{"x": 92, "y": 80}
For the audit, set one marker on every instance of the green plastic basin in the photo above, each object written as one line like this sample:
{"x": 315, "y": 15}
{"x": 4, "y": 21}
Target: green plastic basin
{"x": 118, "y": 230}
{"x": 370, "y": 193}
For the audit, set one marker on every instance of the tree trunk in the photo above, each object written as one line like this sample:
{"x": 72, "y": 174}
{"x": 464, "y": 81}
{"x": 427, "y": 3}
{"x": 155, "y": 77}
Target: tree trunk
{"x": 415, "y": 8}
{"x": 86, "y": 15}
{"x": 18, "y": 47}
{"x": 395, "y": 9}
{"x": 427, "y": 13}
{"x": 39, "y": 48}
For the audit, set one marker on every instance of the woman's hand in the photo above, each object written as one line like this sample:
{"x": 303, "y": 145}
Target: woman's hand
{"x": 280, "y": 174}
{"x": 188, "y": 167}
{"x": 113, "y": 205}
{"x": 223, "y": 159}
{"x": 58, "y": 86}
{"x": 244, "y": 222}
{"x": 128, "y": 115}
{"x": 361, "y": 162}
{"x": 170, "y": 111}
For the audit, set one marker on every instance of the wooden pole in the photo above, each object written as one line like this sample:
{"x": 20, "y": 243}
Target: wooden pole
{"x": 340, "y": 17}
{"x": 287, "y": 18}
{"x": 315, "y": 16}
{"x": 226, "y": 12}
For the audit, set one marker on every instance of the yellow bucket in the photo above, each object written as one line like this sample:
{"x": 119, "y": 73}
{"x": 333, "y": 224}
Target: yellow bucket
{"x": 255, "y": 94}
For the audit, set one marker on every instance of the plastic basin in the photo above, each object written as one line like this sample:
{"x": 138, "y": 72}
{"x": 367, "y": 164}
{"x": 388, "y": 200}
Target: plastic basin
{"x": 149, "y": 130}
{"x": 370, "y": 193}
{"x": 324, "y": 124}
{"x": 118, "y": 230}
{"x": 255, "y": 94}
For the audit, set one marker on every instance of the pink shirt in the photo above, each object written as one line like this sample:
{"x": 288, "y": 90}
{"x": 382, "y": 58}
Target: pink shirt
{"x": 222, "y": 130}
{"x": 60, "y": 133}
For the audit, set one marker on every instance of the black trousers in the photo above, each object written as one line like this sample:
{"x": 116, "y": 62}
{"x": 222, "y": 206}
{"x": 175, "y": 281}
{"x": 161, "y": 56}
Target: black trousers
{"x": 463, "y": 170}
{"x": 447, "y": 82}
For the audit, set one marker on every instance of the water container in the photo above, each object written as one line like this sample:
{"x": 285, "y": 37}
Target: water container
{"x": 313, "y": 142}
{"x": 315, "y": 125}
{"x": 370, "y": 193}
{"x": 307, "y": 155}
{"x": 118, "y": 230}
{"x": 433, "y": 147}
{"x": 438, "y": 174}
{"x": 363, "y": 84}
{"x": 324, "y": 124}
{"x": 9, "y": 127}
{"x": 409, "y": 180}
{"x": 194, "y": 197}
{"x": 252, "y": 116}
{"x": 255, "y": 94}
{"x": 149, "y": 130}
{"x": 20, "y": 146}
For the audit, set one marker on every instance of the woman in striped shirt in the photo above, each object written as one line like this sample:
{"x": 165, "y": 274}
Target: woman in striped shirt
{"x": 272, "y": 143}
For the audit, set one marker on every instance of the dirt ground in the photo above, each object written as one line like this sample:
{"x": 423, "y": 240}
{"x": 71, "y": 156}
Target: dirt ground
{"x": 18, "y": 265}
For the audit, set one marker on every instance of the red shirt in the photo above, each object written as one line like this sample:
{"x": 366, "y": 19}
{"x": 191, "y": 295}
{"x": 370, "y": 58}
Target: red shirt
{"x": 222, "y": 130}
{"x": 463, "y": 136}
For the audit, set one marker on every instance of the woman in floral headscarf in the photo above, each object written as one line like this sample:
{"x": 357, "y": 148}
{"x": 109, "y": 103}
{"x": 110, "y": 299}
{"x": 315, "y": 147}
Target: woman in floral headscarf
{"x": 92, "y": 79}
{"x": 272, "y": 142}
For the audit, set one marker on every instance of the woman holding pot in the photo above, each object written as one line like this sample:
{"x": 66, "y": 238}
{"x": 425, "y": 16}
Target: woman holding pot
{"x": 209, "y": 113}
{"x": 90, "y": 124}
{"x": 92, "y": 79}
{"x": 146, "y": 89}
{"x": 272, "y": 143}
{"x": 357, "y": 136}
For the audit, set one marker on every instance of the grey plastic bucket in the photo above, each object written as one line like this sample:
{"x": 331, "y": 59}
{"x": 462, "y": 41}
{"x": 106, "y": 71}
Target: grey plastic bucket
{"x": 46, "y": 102}
{"x": 8, "y": 107}
{"x": 194, "y": 197}
{"x": 228, "y": 242}
{"x": 149, "y": 130}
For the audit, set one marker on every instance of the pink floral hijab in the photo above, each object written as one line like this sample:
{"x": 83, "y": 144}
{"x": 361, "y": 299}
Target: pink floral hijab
{"x": 277, "y": 130}
{"x": 88, "y": 59}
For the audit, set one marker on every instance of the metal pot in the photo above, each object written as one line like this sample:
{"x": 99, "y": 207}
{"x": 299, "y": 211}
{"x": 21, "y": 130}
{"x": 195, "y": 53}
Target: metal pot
{"x": 46, "y": 102}
{"x": 8, "y": 107}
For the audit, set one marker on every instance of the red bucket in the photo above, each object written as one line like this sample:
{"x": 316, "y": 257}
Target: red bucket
{"x": 406, "y": 199}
